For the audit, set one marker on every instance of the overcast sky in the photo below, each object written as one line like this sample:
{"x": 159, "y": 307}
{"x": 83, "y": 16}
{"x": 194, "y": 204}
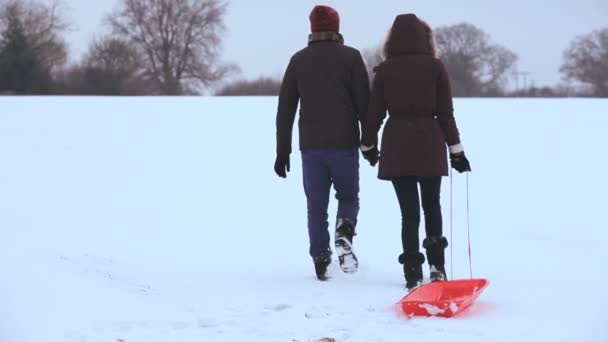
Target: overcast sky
{"x": 262, "y": 34}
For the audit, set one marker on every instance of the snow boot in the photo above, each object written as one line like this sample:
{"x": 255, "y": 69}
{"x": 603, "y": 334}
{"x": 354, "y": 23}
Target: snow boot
{"x": 412, "y": 269}
{"x": 435, "y": 252}
{"x": 345, "y": 231}
{"x": 322, "y": 261}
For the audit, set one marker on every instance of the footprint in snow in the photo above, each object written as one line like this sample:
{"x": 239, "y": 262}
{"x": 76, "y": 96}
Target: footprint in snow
{"x": 105, "y": 268}
{"x": 279, "y": 307}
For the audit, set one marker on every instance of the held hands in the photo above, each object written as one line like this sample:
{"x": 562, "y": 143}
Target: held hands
{"x": 371, "y": 155}
{"x": 281, "y": 165}
{"x": 460, "y": 162}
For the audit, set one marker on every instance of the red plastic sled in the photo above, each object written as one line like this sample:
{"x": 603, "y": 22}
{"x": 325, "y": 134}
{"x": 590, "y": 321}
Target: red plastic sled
{"x": 443, "y": 299}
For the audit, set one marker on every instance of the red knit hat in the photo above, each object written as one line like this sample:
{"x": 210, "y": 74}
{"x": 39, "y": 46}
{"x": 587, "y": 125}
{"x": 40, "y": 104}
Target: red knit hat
{"x": 324, "y": 19}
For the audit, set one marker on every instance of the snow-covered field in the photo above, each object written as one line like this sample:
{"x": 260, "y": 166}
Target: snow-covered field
{"x": 161, "y": 220}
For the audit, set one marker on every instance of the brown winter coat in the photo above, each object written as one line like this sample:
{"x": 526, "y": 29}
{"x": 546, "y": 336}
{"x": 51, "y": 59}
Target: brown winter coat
{"x": 413, "y": 86}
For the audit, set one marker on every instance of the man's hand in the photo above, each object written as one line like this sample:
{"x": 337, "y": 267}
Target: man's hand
{"x": 281, "y": 165}
{"x": 371, "y": 154}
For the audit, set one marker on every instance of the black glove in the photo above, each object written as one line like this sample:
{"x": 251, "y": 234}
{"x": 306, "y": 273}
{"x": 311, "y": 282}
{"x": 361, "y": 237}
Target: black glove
{"x": 372, "y": 156}
{"x": 281, "y": 164}
{"x": 460, "y": 162}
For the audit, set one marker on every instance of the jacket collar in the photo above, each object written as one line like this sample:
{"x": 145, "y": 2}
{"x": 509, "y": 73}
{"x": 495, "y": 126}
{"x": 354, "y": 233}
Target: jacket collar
{"x": 325, "y": 37}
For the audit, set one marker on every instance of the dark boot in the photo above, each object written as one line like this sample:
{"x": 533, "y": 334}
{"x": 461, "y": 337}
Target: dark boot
{"x": 412, "y": 269}
{"x": 322, "y": 261}
{"x": 345, "y": 231}
{"x": 435, "y": 252}
{"x": 345, "y": 228}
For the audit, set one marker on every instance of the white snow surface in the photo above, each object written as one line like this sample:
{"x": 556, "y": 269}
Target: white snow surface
{"x": 432, "y": 310}
{"x": 161, "y": 220}
{"x": 454, "y": 308}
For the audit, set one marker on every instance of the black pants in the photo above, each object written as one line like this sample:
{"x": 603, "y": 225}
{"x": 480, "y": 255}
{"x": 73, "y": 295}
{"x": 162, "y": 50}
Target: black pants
{"x": 409, "y": 202}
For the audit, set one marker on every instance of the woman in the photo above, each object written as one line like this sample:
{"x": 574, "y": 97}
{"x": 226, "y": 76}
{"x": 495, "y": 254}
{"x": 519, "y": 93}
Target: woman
{"x": 412, "y": 84}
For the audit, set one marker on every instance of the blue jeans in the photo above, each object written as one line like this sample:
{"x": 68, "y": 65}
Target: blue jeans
{"x": 321, "y": 169}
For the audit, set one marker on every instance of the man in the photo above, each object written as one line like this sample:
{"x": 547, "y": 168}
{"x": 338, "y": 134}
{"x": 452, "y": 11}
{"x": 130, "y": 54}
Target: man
{"x": 330, "y": 82}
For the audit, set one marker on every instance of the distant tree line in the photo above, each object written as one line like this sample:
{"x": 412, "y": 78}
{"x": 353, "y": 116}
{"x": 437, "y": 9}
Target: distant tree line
{"x": 480, "y": 68}
{"x": 262, "y": 86}
{"x": 155, "y": 47}
{"x": 172, "y": 47}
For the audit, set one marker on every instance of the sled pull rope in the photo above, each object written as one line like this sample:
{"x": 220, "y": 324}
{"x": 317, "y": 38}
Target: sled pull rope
{"x": 469, "y": 230}
{"x": 468, "y": 227}
{"x": 451, "y": 235}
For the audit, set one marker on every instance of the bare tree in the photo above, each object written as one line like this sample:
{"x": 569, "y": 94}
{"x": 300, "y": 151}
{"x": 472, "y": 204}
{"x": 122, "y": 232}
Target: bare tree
{"x": 43, "y": 25}
{"x": 476, "y": 66}
{"x": 111, "y": 67}
{"x": 372, "y": 57}
{"x": 30, "y": 46}
{"x": 114, "y": 55}
{"x": 178, "y": 40}
{"x": 586, "y": 61}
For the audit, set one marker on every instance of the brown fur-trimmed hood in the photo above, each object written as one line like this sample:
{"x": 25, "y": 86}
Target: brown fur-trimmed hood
{"x": 409, "y": 35}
